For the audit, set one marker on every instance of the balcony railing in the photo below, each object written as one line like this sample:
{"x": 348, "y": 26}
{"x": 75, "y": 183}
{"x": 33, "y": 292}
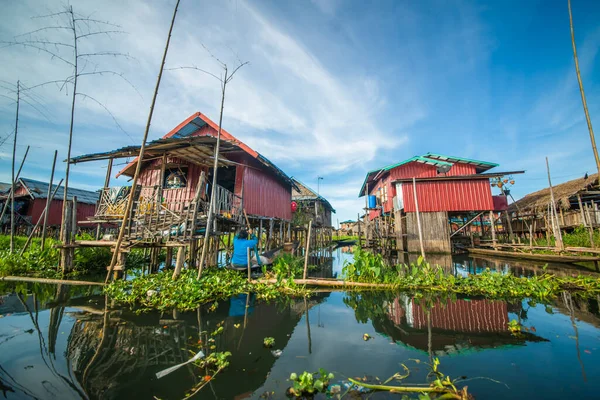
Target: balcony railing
{"x": 153, "y": 217}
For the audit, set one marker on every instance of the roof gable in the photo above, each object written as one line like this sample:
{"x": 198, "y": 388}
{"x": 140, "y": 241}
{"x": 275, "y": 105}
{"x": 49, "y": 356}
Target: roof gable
{"x": 39, "y": 190}
{"x": 303, "y": 192}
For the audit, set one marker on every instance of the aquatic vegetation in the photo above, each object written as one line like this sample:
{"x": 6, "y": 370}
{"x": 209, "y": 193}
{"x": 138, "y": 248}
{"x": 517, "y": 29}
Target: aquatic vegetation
{"x": 421, "y": 277}
{"x": 440, "y": 386}
{"x": 269, "y": 342}
{"x": 309, "y": 383}
{"x": 514, "y": 327}
{"x": 43, "y": 263}
{"x": 160, "y": 291}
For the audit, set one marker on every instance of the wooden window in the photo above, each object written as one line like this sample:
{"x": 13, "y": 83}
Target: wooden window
{"x": 176, "y": 178}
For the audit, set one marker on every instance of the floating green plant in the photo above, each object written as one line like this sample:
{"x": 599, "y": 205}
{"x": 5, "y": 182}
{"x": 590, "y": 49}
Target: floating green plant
{"x": 309, "y": 383}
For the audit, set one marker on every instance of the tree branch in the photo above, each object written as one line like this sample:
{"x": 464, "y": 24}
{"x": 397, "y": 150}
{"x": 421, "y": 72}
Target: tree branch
{"x": 197, "y": 69}
{"x": 85, "y": 96}
{"x": 236, "y": 70}
{"x": 27, "y": 44}
{"x": 99, "y": 33}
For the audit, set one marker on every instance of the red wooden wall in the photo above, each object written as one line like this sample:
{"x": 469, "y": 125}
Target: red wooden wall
{"x": 150, "y": 176}
{"x": 36, "y": 207}
{"x": 265, "y": 195}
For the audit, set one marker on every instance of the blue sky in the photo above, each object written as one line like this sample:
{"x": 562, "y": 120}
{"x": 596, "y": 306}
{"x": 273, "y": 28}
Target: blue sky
{"x": 334, "y": 88}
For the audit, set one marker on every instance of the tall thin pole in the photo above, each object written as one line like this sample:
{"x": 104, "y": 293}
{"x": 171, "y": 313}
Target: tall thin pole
{"x": 141, "y": 155}
{"x": 12, "y": 189}
{"x": 557, "y": 234}
{"x": 305, "y": 274}
{"x": 213, "y": 190}
{"x": 418, "y": 217}
{"x": 63, "y": 233}
{"x": 48, "y": 200}
{"x": 583, "y": 101}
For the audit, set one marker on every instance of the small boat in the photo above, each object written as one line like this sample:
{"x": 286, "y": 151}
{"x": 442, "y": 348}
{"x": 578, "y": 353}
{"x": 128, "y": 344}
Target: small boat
{"x": 344, "y": 243}
{"x": 557, "y": 258}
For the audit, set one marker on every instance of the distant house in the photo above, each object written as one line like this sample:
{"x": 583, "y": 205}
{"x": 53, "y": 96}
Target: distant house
{"x": 577, "y": 204}
{"x": 447, "y": 188}
{"x": 311, "y": 206}
{"x": 30, "y": 202}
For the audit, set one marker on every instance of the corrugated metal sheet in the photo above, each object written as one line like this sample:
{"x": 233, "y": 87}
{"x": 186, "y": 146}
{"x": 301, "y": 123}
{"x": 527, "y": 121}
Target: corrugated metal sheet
{"x": 449, "y": 196}
{"x": 266, "y": 196}
{"x": 39, "y": 190}
{"x": 464, "y": 316}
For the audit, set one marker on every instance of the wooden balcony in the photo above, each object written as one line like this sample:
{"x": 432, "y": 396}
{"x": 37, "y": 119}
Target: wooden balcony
{"x": 155, "y": 218}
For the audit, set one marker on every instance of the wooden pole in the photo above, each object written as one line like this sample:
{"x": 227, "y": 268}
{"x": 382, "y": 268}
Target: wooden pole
{"x": 418, "y": 217}
{"x": 12, "y": 189}
{"x": 581, "y": 210}
{"x": 359, "y": 233}
{"x": 179, "y": 262}
{"x": 141, "y": 154}
{"x": 307, "y": 251}
{"x": 557, "y": 234}
{"x": 583, "y": 100}
{"x": 48, "y": 200}
{"x": 509, "y": 222}
{"x": 108, "y": 173}
{"x": 493, "y": 227}
{"x": 591, "y": 225}
{"x": 74, "y": 222}
{"x": 530, "y": 236}
{"x": 209, "y": 219}
{"x": 249, "y": 267}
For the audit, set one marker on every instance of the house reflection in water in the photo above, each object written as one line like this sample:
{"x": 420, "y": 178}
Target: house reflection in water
{"x": 450, "y": 327}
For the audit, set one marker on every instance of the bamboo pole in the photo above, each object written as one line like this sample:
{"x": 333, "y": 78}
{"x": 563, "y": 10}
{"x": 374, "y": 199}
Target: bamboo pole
{"x": 418, "y": 218}
{"x": 557, "y": 233}
{"x": 248, "y": 261}
{"x": 141, "y": 154}
{"x": 12, "y": 189}
{"x": 48, "y": 201}
{"x": 179, "y": 262}
{"x": 307, "y": 250}
{"x": 214, "y": 181}
{"x": 583, "y": 100}
{"x": 581, "y": 210}
{"x": 46, "y": 280}
{"x": 493, "y": 227}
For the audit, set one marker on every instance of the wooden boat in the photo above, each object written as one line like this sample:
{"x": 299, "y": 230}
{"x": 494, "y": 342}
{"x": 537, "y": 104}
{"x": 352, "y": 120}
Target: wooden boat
{"x": 343, "y": 243}
{"x": 557, "y": 258}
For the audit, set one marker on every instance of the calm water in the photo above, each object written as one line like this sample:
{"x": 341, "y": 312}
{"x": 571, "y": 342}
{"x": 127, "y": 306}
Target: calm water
{"x": 58, "y": 342}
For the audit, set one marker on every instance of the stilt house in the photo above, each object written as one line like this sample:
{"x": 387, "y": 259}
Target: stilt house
{"x": 446, "y": 188}
{"x": 311, "y": 206}
{"x": 31, "y": 197}
{"x": 173, "y": 196}
{"x": 576, "y": 204}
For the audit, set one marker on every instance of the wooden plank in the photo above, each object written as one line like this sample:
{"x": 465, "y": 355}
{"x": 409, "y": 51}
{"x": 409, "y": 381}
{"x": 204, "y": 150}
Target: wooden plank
{"x": 529, "y": 256}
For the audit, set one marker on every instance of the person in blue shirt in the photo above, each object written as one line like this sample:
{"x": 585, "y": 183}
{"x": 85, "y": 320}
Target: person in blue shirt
{"x": 241, "y": 242}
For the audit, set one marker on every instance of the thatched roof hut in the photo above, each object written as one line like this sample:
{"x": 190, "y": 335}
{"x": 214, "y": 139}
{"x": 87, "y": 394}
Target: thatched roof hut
{"x": 565, "y": 195}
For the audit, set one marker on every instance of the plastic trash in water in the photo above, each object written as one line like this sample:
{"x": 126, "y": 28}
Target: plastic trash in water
{"x": 276, "y": 353}
{"x": 167, "y": 371}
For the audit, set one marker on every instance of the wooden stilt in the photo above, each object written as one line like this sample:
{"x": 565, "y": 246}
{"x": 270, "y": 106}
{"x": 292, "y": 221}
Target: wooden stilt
{"x": 169, "y": 257}
{"x": 493, "y": 228}
{"x": 179, "y": 262}
{"x": 418, "y": 218}
{"x": 307, "y": 251}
